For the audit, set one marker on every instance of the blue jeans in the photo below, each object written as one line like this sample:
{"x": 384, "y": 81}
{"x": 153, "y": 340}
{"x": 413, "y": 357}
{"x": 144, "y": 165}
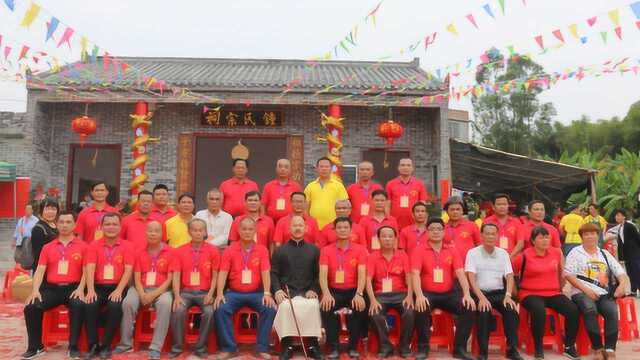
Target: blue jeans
{"x": 224, "y": 320}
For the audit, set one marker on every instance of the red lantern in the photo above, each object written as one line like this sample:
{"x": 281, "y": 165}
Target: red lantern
{"x": 84, "y": 126}
{"x": 390, "y": 131}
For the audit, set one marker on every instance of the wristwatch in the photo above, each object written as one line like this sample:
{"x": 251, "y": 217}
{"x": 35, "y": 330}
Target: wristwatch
{"x": 360, "y": 294}
{"x": 267, "y": 293}
{"x": 507, "y": 294}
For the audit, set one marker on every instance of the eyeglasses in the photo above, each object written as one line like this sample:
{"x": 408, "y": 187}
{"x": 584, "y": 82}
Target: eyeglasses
{"x": 435, "y": 229}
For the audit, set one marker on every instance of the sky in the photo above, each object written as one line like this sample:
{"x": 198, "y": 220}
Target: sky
{"x": 305, "y": 29}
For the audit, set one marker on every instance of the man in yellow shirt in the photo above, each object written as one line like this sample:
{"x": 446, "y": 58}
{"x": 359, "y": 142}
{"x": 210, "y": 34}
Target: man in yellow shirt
{"x": 569, "y": 227}
{"x": 176, "y": 229}
{"x": 595, "y": 218}
{"x": 323, "y": 193}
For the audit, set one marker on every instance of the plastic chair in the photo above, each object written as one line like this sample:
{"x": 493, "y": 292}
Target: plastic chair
{"x": 8, "y": 280}
{"x": 55, "y": 326}
{"x": 496, "y": 337}
{"x": 248, "y": 334}
{"x": 549, "y": 338}
{"x": 192, "y": 332}
{"x": 442, "y": 333}
{"x": 144, "y": 327}
{"x": 628, "y": 323}
{"x": 393, "y": 329}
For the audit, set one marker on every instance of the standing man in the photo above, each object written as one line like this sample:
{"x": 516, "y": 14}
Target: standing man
{"x": 342, "y": 282}
{"x": 435, "y": 269}
{"x": 508, "y": 226}
{"x": 377, "y": 219}
{"x": 61, "y": 261}
{"x": 264, "y": 225}
{"x": 595, "y": 218}
{"x": 416, "y": 234}
{"x": 176, "y": 230}
{"x": 294, "y": 273}
{"x": 298, "y": 205}
{"x": 460, "y": 233}
{"x": 245, "y": 264}
{"x": 89, "y": 219}
{"x": 109, "y": 265}
{"x": 161, "y": 208}
{"x": 328, "y": 233}
{"x": 323, "y": 192}
{"x": 218, "y": 221}
{"x": 24, "y": 225}
{"x": 276, "y": 194}
{"x": 569, "y": 229}
{"x": 235, "y": 188}
{"x": 360, "y": 192}
{"x": 195, "y": 269}
{"x": 536, "y": 218}
{"x": 134, "y": 225}
{"x": 404, "y": 191}
{"x": 488, "y": 267}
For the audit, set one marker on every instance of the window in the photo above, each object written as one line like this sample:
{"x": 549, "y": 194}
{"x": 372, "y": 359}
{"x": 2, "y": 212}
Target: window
{"x": 385, "y": 165}
{"x": 91, "y": 163}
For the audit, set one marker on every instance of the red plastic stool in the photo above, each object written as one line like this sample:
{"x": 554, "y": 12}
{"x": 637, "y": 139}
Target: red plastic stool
{"x": 583, "y": 343}
{"x": 496, "y": 337}
{"x": 9, "y": 276}
{"x": 628, "y": 324}
{"x": 143, "y": 333}
{"x": 394, "y": 332}
{"x": 442, "y": 333}
{"x": 192, "y": 332}
{"x": 244, "y": 335}
{"x": 55, "y": 326}
{"x": 549, "y": 338}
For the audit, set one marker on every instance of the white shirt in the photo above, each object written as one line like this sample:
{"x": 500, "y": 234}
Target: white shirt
{"x": 594, "y": 267}
{"x": 490, "y": 269}
{"x": 218, "y": 227}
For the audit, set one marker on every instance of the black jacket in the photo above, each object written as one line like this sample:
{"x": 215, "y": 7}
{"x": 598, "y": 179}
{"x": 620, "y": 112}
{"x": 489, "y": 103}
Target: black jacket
{"x": 295, "y": 265}
{"x": 630, "y": 248}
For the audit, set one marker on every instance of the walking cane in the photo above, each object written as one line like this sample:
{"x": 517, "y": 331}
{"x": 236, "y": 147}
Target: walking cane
{"x": 295, "y": 319}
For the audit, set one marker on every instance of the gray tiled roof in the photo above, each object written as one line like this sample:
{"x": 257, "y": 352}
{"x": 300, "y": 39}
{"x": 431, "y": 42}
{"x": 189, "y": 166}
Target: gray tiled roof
{"x": 201, "y": 74}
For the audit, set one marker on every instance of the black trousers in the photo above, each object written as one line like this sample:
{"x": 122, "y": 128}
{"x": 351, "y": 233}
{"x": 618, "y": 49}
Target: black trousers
{"x": 407, "y": 320}
{"x": 484, "y": 320}
{"x": 450, "y": 302}
{"x": 52, "y": 296}
{"x": 355, "y": 324}
{"x": 536, "y": 305}
{"x": 590, "y": 309}
{"x": 633, "y": 270}
{"x": 113, "y": 316}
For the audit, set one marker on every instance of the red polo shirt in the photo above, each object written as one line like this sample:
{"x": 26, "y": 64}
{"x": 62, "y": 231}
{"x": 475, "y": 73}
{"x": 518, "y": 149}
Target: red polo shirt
{"x": 282, "y": 233}
{"x": 233, "y": 192}
{"x": 119, "y": 255}
{"x": 428, "y": 261}
{"x": 186, "y": 260}
{"x": 134, "y": 229}
{"x": 53, "y": 252}
{"x": 146, "y": 263}
{"x": 164, "y": 216}
{"x": 235, "y": 260}
{"x": 507, "y": 232}
{"x": 541, "y": 273}
{"x": 346, "y": 260}
{"x": 524, "y": 234}
{"x": 411, "y": 237}
{"x": 275, "y": 193}
{"x": 379, "y": 268}
{"x": 89, "y": 221}
{"x": 371, "y": 226}
{"x": 264, "y": 230}
{"x": 359, "y": 195}
{"x": 413, "y": 191}
{"x": 464, "y": 236}
{"x": 328, "y": 235}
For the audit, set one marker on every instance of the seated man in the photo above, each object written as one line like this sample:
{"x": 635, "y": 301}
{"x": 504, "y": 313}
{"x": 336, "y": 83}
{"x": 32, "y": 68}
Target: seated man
{"x": 246, "y": 264}
{"x": 195, "y": 269}
{"x": 152, "y": 283}
{"x": 294, "y": 281}
{"x": 377, "y": 219}
{"x": 342, "y": 282}
{"x": 389, "y": 287}
{"x": 109, "y": 264}
{"x": 61, "y": 262}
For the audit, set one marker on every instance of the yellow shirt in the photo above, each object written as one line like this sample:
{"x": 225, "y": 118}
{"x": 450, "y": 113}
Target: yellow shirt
{"x": 571, "y": 224}
{"x": 177, "y": 231}
{"x": 445, "y": 217}
{"x": 322, "y": 200}
{"x": 600, "y": 221}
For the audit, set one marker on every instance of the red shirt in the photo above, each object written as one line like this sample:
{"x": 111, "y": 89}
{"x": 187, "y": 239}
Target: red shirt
{"x": 274, "y": 193}
{"x": 134, "y": 229}
{"x": 282, "y": 233}
{"x": 371, "y": 226}
{"x": 187, "y": 260}
{"x": 146, "y": 263}
{"x": 88, "y": 223}
{"x": 233, "y": 192}
{"x": 412, "y": 191}
{"x": 410, "y": 238}
{"x": 397, "y": 269}
{"x": 54, "y": 251}
{"x": 235, "y": 260}
{"x": 164, "y": 216}
{"x": 264, "y": 230}
{"x": 540, "y": 275}
{"x": 102, "y": 255}
{"x": 345, "y": 260}
{"x": 328, "y": 235}
{"x": 359, "y": 195}
{"x": 464, "y": 236}
{"x": 428, "y": 261}
{"x": 524, "y": 234}
{"x": 508, "y": 231}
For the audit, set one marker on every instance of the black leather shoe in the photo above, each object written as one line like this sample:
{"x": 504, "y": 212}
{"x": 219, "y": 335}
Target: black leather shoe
{"x": 105, "y": 354}
{"x": 513, "y": 354}
{"x": 94, "y": 351}
{"x": 286, "y": 354}
{"x": 334, "y": 354}
{"x": 385, "y": 353}
{"x": 460, "y": 353}
{"x": 314, "y": 353}
{"x": 354, "y": 354}
{"x": 32, "y": 354}
{"x": 482, "y": 357}
{"x": 75, "y": 354}
{"x": 405, "y": 353}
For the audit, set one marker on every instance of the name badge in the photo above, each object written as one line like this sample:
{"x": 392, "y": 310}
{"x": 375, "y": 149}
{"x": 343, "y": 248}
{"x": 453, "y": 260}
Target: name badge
{"x": 404, "y": 201}
{"x": 387, "y": 285}
{"x": 107, "y": 272}
{"x": 194, "y": 279}
{"x": 438, "y": 275}
{"x": 280, "y": 204}
{"x": 364, "y": 209}
{"x": 504, "y": 242}
{"x": 339, "y": 277}
{"x": 375, "y": 243}
{"x": 63, "y": 267}
{"x": 246, "y": 276}
{"x": 151, "y": 278}
{"x": 98, "y": 234}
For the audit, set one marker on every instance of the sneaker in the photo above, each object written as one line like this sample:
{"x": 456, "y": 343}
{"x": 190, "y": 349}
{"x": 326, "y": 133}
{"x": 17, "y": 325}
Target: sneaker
{"x": 105, "y": 353}
{"x": 202, "y": 354}
{"x": 121, "y": 349}
{"x": 571, "y": 352}
{"x": 154, "y": 355}
{"x": 32, "y": 354}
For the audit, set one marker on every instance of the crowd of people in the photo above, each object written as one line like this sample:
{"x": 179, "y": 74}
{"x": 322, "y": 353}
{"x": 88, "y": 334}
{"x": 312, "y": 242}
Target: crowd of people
{"x": 301, "y": 257}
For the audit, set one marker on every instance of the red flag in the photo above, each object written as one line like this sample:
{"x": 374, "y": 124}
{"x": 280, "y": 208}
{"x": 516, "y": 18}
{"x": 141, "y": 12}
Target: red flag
{"x": 540, "y": 41}
{"x": 558, "y": 35}
{"x": 429, "y": 40}
{"x": 592, "y": 21}
{"x": 23, "y": 52}
{"x": 472, "y": 20}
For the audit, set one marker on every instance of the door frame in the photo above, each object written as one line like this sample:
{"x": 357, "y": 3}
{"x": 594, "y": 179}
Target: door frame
{"x": 71, "y": 164}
